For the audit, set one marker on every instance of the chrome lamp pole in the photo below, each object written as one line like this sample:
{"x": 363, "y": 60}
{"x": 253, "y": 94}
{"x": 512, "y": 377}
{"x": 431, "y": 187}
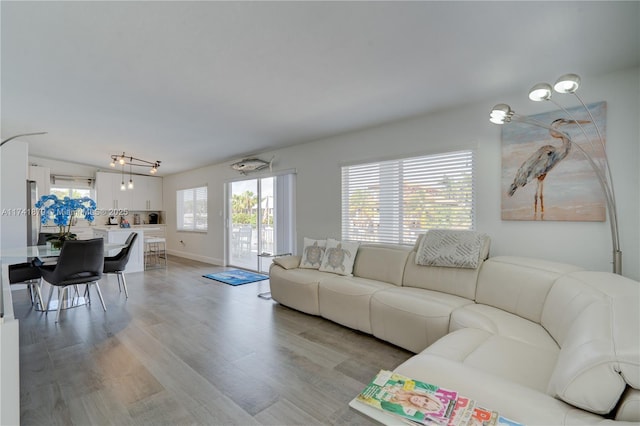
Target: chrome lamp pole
{"x": 569, "y": 83}
{"x": 20, "y": 135}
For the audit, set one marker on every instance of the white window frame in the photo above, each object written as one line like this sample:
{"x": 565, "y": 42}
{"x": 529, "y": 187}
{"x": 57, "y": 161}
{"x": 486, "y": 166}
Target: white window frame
{"x": 68, "y": 187}
{"x": 195, "y": 195}
{"x": 394, "y": 201}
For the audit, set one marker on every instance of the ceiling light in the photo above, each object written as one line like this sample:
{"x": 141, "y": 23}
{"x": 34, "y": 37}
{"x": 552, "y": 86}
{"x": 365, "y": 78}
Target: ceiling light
{"x": 130, "y": 186}
{"x": 124, "y": 160}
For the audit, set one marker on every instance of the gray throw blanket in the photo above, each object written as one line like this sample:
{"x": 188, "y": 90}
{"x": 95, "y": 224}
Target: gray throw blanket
{"x": 454, "y": 249}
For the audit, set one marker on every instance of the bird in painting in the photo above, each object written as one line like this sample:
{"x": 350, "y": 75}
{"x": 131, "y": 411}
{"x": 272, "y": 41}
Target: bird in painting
{"x": 543, "y": 161}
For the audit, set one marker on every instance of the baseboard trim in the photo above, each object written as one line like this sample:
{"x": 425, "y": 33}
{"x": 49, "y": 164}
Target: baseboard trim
{"x": 199, "y": 258}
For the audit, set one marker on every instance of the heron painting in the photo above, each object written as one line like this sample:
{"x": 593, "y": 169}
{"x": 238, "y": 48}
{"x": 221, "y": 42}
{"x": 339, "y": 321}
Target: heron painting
{"x": 546, "y": 177}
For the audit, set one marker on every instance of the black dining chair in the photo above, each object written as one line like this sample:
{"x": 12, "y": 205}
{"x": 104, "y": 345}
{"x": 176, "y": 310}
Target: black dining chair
{"x": 116, "y": 264}
{"x": 79, "y": 262}
{"x": 26, "y": 273}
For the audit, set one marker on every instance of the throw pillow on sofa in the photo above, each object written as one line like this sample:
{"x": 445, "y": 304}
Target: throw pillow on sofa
{"x": 339, "y": 257}
{"x": 451, "y": 248}
{"x": 312, "y": 253}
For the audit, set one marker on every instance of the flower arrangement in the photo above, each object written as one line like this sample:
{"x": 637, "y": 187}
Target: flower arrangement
{"x": 62, "y": 211}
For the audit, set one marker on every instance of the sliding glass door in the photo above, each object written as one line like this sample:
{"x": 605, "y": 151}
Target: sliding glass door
{"x": 261, "y": 221}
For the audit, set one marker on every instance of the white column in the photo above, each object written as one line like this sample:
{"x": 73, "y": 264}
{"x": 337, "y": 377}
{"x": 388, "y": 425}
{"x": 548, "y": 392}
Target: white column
{"x": 13, "y": 194}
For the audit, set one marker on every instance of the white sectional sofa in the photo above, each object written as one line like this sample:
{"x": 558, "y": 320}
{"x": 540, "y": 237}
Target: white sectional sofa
{"x": 540, "y": 342}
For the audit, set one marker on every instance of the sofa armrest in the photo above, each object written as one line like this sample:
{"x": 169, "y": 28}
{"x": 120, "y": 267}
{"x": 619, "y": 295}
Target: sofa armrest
{"x": 287, "y": 262}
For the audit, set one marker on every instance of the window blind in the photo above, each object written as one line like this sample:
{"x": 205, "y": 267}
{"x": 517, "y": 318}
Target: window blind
{"x": 394, "y": 201}
{"x": 192, "y": 209}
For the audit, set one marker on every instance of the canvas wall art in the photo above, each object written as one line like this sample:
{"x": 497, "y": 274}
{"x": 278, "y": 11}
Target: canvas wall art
{"x": 544, "y": 177}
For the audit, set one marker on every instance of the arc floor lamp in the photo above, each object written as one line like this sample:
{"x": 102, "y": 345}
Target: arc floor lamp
{"x": 21, "y": 135}
{"x": 569, "y": 83}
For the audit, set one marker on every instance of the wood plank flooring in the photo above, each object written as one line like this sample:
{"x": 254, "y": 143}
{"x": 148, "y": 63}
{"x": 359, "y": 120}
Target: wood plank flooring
{"x": 186, "y": 350}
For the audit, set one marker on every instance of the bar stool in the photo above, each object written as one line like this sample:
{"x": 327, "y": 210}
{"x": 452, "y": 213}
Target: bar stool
{"x": 155, "y": 248}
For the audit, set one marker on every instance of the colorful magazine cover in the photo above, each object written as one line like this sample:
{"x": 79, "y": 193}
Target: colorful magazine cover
{"x": 417, "y": 401}
{"x": 483, "y": 417}
{"x": 462, "y": 411}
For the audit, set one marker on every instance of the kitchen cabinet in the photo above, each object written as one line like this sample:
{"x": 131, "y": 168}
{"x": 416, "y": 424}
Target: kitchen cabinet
{"x": 108, "y": 194}
{"x": 42, "y": 176}
{"x": 145, "y": 195}
{"x": 104, "y": 192}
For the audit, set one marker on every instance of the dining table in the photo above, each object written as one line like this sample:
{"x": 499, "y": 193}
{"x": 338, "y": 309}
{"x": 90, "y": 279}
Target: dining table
{"x": 48, "y": 254}
{"x": 19, "y": 254}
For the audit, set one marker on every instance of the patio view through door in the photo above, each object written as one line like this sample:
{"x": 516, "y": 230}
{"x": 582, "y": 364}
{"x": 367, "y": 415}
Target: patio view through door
{"x": 260, "y": 221}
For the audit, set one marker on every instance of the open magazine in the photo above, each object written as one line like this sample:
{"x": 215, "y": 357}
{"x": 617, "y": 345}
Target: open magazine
{"x": 421, "y": 403}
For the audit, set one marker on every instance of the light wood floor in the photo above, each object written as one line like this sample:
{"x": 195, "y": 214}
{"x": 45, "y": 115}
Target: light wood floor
{"x": 188, "y": 350}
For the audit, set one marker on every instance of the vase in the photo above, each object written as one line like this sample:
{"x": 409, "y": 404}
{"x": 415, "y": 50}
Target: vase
{"x": 56, "y": 244}
{"x": 58, "y": 240}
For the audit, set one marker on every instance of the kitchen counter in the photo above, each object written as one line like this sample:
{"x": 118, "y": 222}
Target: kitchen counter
{"x": 116, "y": 228}
{"x": 115, "y": 234}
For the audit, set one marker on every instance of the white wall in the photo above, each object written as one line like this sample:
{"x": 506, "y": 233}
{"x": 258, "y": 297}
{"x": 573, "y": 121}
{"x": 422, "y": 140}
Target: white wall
{"x": 13, "y": 233}
{"x": 318, "y": 180}
{"x": 13, "y": 195}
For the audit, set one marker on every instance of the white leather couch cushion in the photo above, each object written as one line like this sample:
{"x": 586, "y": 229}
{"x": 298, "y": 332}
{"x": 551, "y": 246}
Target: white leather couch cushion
{"x": 381, "y": 262}
{"x": 514, "y": 360}
{"x": 594, "y": 317}
{"x": 297, "y": 288}
{"x": 412, "y": 318}
{"x": 346, "y": 300}
{"x": 512, "y": 400}
{"x": 503, "y": 323}
{"x": 457, "y": 281}
{"x": 526, "y": 297}
{"x": 629, "y": 407}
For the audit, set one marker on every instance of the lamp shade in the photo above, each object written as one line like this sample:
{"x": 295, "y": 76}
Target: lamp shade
{"x": 500, "y": 113}
{"x": 540, "y": 92}
{"x": 567, "y": 83}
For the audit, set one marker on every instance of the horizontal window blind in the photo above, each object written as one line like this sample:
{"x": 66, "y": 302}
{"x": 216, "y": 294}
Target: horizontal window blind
{"x": 72, "y": 181}
{"x": 192, "y": 209}
{"x": 395, "y": 201}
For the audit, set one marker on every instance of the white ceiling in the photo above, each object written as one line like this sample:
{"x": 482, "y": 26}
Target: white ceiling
{"x": 198, "y": 83}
